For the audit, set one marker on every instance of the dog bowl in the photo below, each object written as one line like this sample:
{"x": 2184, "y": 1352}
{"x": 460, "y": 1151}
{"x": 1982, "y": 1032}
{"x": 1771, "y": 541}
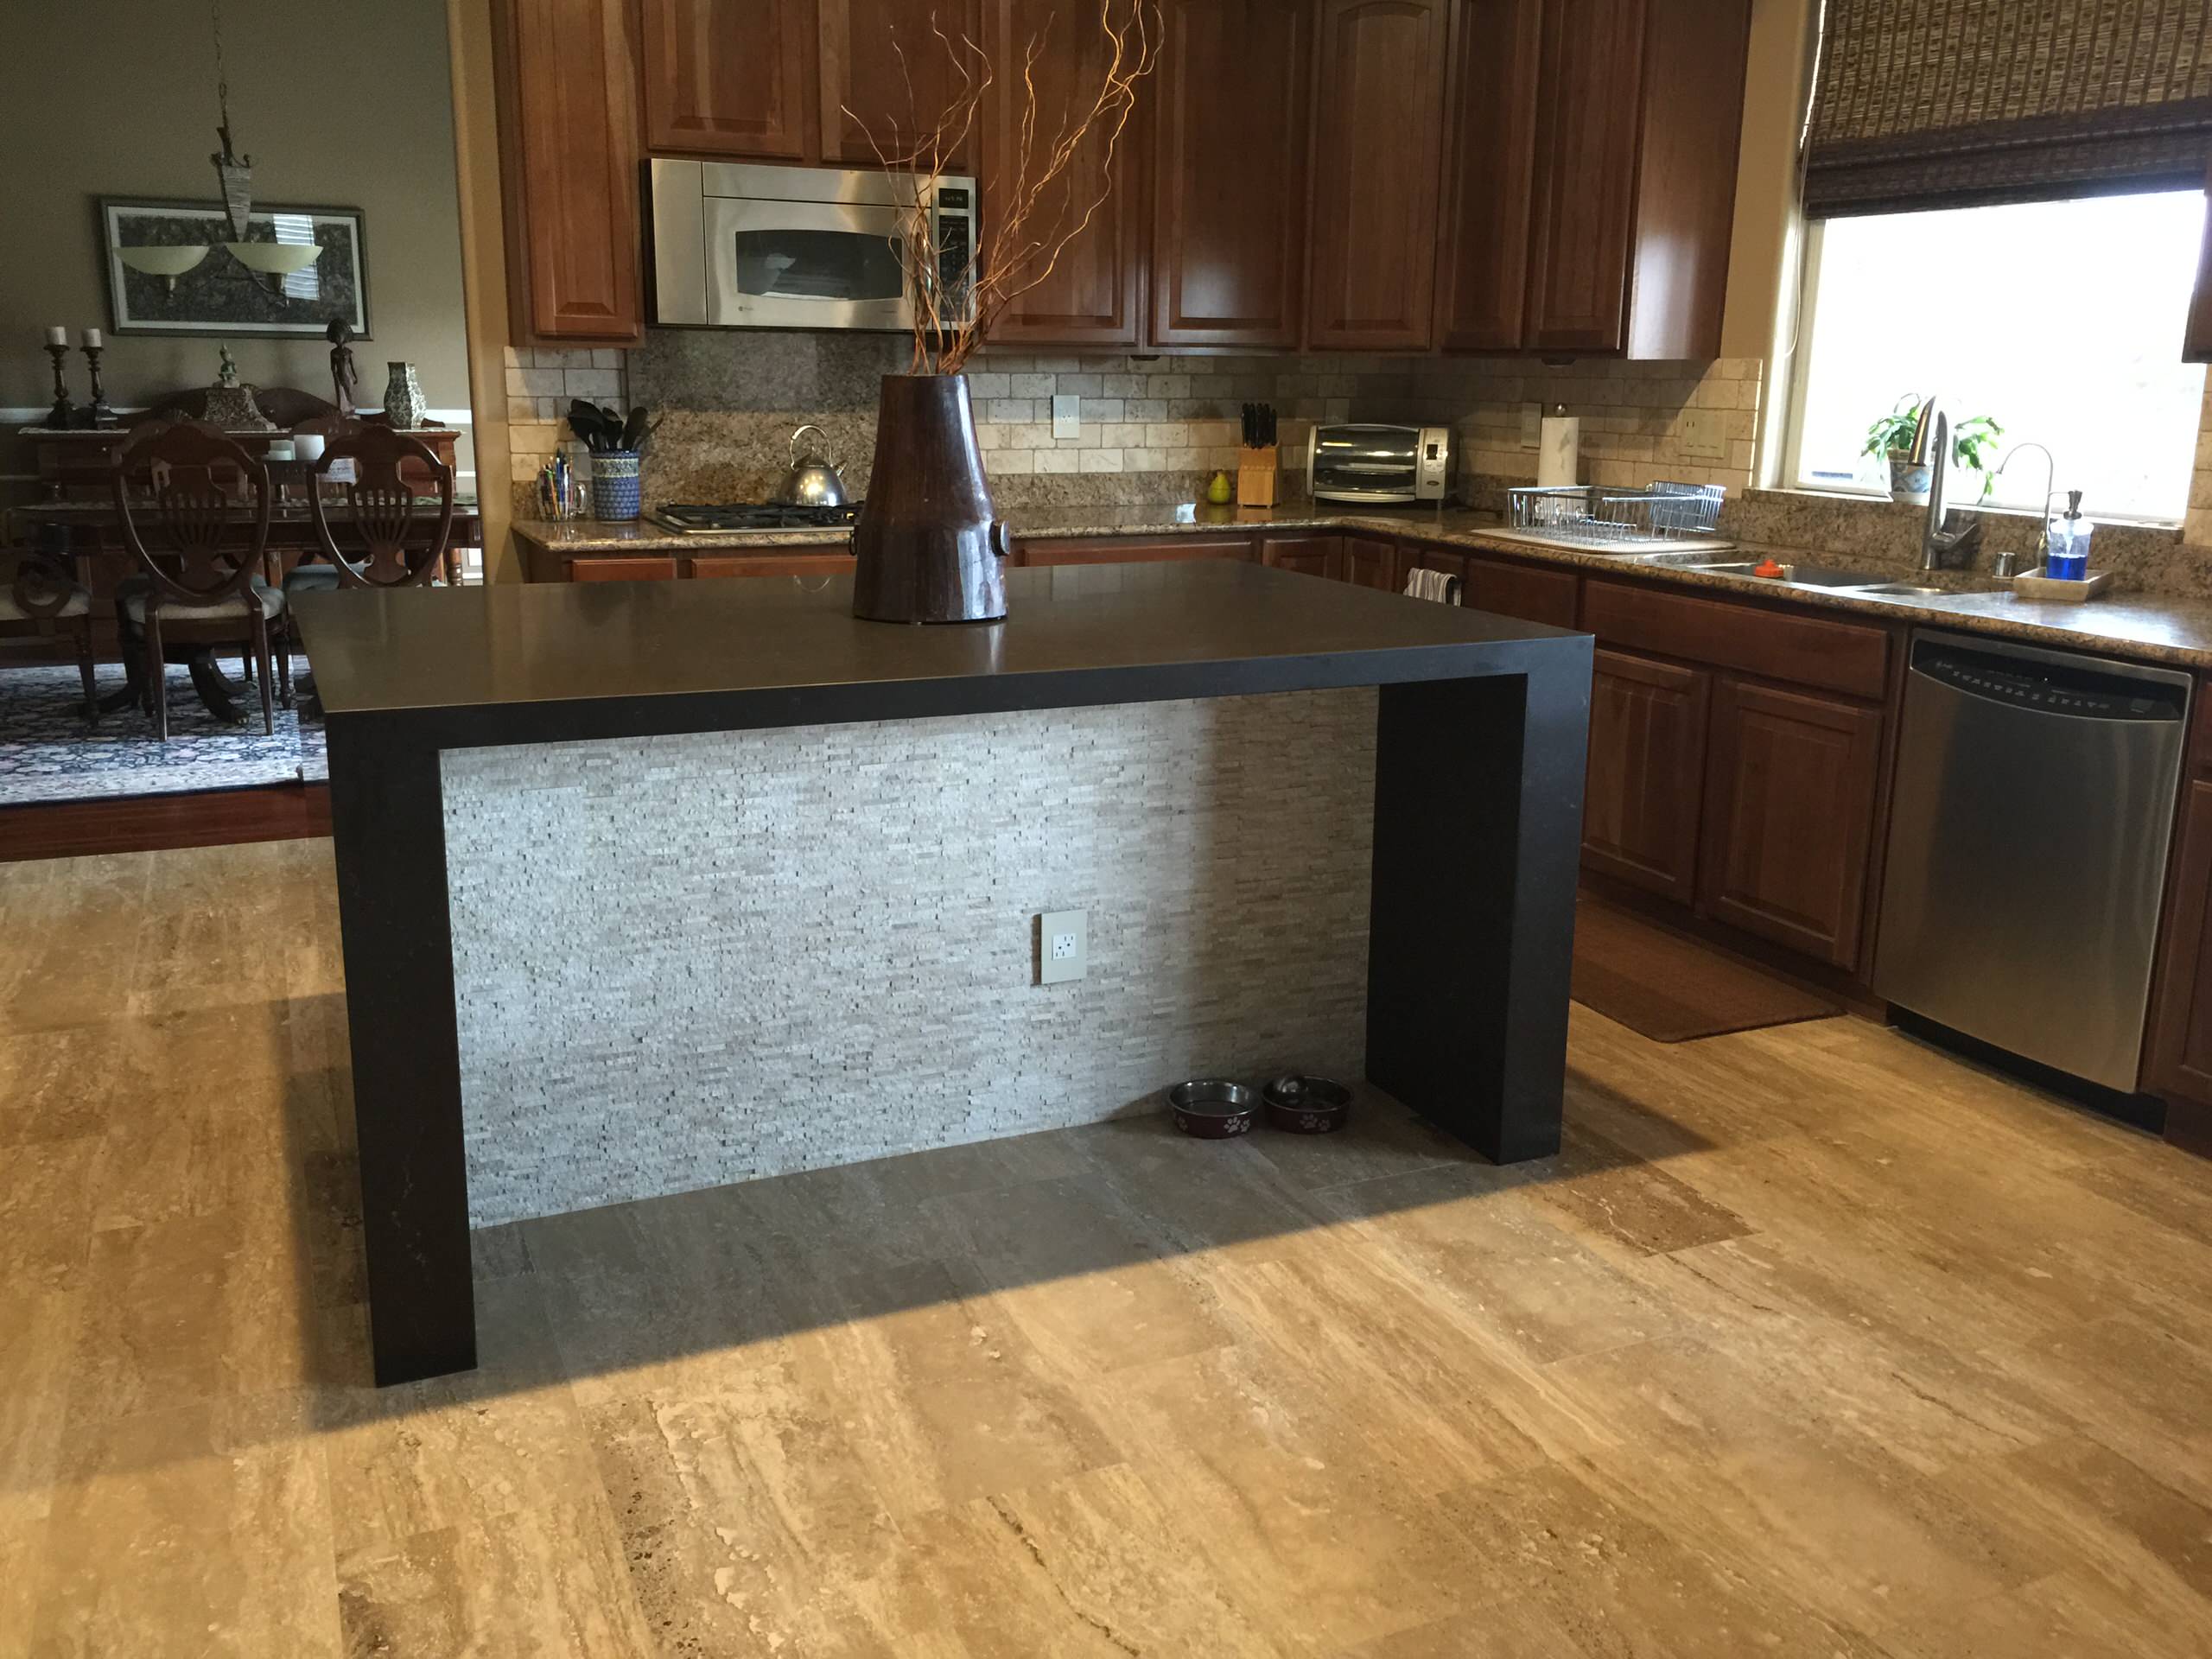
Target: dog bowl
{"x": 1307, "y": 1105}
{"x": 1213, "y": 1108}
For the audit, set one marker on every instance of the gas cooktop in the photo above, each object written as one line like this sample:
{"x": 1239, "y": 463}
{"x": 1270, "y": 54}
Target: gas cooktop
{"x": 695, "y": 520}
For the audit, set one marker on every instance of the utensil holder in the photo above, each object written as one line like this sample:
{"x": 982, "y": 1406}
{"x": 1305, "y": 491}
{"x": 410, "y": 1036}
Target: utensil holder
{"x": 1256, "y": 476}
{"x": 616, "y": 490}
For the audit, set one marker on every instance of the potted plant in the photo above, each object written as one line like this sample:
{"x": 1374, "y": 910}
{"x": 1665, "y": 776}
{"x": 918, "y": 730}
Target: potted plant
{"x": 1972, "y": 444}
{"x": 928, "y": 545}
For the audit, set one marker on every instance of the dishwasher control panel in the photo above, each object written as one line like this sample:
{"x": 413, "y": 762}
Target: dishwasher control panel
{"x": 2052, "y": 688}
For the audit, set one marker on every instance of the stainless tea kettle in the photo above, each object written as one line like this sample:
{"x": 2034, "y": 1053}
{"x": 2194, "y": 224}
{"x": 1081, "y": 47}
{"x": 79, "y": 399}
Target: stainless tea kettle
{"x": 813, "y": 482}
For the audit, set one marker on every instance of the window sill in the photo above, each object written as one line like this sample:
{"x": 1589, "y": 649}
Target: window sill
{"x": 2025, "y": 515}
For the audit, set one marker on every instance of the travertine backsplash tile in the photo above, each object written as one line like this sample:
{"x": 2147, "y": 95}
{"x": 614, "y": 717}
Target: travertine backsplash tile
{"x": 685, "y": 960}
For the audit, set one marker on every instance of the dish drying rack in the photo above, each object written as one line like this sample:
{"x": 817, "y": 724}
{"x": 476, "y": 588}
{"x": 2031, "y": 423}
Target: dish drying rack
{"x": 1585, "y": 515}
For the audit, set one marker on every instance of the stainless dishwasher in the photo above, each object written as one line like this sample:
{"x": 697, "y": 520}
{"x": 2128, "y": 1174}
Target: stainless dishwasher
{"x": 2035, "y": 797}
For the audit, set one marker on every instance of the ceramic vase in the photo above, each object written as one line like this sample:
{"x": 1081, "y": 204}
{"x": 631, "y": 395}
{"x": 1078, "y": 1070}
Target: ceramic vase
{"x": 404, "y": 402}
{"x": 1908, "y": 481}
{"x": 615, "y": 486}
{"x": 929, "y": 545}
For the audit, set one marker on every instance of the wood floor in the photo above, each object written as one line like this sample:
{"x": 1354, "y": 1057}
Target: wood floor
{"x": 1814, "y": 1343}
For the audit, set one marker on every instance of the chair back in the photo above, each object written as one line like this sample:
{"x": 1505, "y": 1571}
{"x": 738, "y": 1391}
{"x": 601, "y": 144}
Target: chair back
{"x": 396, "y": 539}
{"x": 200, "y": 479}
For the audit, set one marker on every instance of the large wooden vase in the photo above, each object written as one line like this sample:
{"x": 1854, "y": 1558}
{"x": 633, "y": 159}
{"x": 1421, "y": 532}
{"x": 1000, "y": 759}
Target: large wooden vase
{"x": 930, "y": 547}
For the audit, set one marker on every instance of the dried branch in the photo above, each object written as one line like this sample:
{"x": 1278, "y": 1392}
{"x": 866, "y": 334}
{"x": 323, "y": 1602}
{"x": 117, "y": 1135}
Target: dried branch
{"x": 1019, "y": 243}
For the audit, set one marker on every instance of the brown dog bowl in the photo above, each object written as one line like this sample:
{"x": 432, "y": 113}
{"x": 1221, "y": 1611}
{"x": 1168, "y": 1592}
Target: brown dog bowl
{"x": 1307, "y": 1105}
{"x": 1212, "y": 1109}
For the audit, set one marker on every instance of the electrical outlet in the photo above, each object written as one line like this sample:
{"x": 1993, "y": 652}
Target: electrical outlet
{"x": 1699, "y": 434}
{"x": 1532, "y": 426}
{"x": 1063, "y": 946}
{"x": 1067, "y": 415}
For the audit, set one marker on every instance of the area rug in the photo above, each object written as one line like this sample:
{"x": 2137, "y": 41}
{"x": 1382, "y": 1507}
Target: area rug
{"x": 46, "y": 753}
{"x": 1671, "y": 988}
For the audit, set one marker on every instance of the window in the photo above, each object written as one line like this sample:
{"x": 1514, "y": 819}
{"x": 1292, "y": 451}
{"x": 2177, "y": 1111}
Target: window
{"x": 2062, "y": 320}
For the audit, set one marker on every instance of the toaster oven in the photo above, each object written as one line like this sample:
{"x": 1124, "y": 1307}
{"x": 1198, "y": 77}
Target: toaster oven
{"x": 1379, "y": 465}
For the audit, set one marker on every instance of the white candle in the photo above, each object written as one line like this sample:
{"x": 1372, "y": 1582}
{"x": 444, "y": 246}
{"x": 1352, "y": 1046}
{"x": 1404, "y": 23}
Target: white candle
{"x": 57, "y": 335}
{"x": 92, "y": 339}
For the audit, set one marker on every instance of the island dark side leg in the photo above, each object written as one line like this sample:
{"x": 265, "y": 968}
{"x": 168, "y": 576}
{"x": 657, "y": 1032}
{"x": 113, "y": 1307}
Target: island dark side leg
{"x": 1477, "y": 833}
{"x": 387, "y": 826}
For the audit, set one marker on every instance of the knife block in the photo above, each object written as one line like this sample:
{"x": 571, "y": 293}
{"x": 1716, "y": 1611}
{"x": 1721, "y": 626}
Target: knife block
{"x": 1255, "y": 476}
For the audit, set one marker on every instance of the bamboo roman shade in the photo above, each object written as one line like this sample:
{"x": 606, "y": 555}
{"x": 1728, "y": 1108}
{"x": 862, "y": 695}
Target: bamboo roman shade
{"x": 1955, "y": 103}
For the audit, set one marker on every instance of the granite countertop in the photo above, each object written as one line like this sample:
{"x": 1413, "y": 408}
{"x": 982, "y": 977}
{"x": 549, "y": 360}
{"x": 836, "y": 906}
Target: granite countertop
{"x": 2142, "y": 627}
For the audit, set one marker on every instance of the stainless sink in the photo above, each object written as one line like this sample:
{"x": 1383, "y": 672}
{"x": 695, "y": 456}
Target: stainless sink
{"x": 1904, "y": 589}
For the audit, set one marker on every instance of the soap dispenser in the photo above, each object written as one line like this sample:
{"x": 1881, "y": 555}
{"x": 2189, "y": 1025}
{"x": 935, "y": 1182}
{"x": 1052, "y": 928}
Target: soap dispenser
{"x": 2069, "y": 559}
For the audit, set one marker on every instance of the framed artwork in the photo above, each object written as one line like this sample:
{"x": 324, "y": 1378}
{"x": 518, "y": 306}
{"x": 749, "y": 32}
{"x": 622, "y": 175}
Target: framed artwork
{"x": 169, "y": 271}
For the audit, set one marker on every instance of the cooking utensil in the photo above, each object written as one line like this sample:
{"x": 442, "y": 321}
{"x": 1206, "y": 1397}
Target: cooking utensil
{"x": 812, "y": 482}
{"x": 599, "y": 429}
{"x": 633, "y": 430}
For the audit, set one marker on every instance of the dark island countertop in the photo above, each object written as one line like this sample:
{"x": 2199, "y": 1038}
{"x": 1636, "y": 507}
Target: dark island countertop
{"x": 536, "y": 663}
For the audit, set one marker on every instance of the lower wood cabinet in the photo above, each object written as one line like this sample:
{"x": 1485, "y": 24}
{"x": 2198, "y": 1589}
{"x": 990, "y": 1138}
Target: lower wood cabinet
{"x": 1644, "y": 792}
{"x": 1527, "y": 591}
{"x": 1312, "y": 555}
{"x": 1133, "y": 549}
{"x": 1791, "y": 780}
{"x": 1370, "y": 564}
{"x": 621, "y": 570}
{"x": 789, "y": 562}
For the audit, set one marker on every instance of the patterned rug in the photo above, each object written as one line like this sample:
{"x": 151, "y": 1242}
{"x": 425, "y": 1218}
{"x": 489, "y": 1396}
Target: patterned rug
{"x": 47, "y": 754}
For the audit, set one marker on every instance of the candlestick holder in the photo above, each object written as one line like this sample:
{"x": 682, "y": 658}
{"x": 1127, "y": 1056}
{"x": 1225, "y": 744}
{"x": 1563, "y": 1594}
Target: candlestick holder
{"x": 99, "y": 416}
{"x": 63, "y": 415}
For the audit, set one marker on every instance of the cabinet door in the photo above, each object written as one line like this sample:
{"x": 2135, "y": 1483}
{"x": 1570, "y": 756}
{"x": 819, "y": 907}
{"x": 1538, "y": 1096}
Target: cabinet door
{"x": 1481, "y": 278}
{"x": 1523, "y": 591}
{"x": 1133, "y": 549}
{"x": 828, "y": 561}
{"x": 729, "y": 77}
{"x": 1586, "y": 174}
{"x": 1789, "y": 815}
{"x": 1229, "y": 181}
{"x": 1647, "y": 771}
{"x": 1370, "y": 564}
{"x": 2181, "y": 1036}
{"x": 566, "y": 82}
{"x": 872, "y": 51}
{"x": 1094, "y": 292}
{"x": 1309, "y": 555}
{"x": 1378, "y": 140}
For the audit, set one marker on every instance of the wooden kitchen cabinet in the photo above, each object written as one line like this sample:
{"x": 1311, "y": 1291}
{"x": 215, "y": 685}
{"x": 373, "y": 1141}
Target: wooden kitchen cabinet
{"x": 1378, "y": 134}
{"x": 2177, "y": 1062}
{"x": 1527, "y": 591}
{"x": 1592, "y": 102}
{"x": 829, "y": 560}
{"x": 1643, "y": 798}
{"x": 1133, "y": 549}
{"x": 1369, "y": 562}
{"x": 1791, "y": 780}
{"x": 729, "y": 76}
{"x": 1094, "y": 294}
{"x": 1489, "y": 168}
{"x": 861, "y": 44}
{"x": 1228, "y": 252}
{"x": 1311, "y": 556}
{"x": 622, "y": 569}
{"x": 565, "y": 76}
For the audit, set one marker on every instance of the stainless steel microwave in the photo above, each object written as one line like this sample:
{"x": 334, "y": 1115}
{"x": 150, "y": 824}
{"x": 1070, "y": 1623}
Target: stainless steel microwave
{"x": 737, "y": 245}
{"x": 1375, "y": 464}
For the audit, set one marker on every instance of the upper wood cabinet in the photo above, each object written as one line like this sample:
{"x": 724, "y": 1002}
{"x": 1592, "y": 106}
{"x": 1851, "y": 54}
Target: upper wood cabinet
{"x": 1228, "y": 181}
{"x": 1490, "y": 166}
{"x": 1592, "y": 175}
{"x": 889, "y": 69}
{"x": 1094, "y": 294}
{"x": 729, "y": 76}
{"x": 565, "y": 73}
{"x": 1378, "y": 130}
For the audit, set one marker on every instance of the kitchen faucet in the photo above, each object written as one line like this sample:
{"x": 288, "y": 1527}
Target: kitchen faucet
{"x": 1940, "y": 549}
{"x": 2005, "y": 559}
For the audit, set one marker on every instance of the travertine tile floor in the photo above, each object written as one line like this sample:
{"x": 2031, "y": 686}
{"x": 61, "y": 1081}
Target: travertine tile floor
{"x": 1814, "y": 1343}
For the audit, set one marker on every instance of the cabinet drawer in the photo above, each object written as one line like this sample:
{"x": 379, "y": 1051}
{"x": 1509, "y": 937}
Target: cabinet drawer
{"x": 1135, "y": 550}
{"x": 1526, "y": 591}
{"x": 825, "y": 561}
{"x": 1309, "y": 555}
{"x": 621, "y": 570}
{"x": 1852, "y": 658}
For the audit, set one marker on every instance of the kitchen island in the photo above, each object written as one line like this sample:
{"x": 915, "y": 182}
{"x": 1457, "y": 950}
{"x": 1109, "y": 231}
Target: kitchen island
{"x": 629, "y": 877}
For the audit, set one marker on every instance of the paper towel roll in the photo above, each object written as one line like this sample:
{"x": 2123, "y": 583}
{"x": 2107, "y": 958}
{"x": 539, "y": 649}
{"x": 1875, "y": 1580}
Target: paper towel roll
{"x": 1559, "y": 456}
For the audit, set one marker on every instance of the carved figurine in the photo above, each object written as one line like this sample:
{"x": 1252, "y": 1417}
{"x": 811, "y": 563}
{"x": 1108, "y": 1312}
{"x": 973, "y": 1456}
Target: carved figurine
{"x": 343, "y": 377}
{"x": 226, "y": 372}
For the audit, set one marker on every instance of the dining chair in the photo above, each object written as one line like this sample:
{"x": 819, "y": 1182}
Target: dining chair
{"x": 201, "y": 575}
{"x": 43, "y": 596}
{"x": 387, "y": 547}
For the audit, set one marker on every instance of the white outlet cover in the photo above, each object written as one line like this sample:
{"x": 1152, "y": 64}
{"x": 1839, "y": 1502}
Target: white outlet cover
{"x": 1067, "y": 415}
{"x": 1699, "y": 434}
{"x": 1063, "y": 946}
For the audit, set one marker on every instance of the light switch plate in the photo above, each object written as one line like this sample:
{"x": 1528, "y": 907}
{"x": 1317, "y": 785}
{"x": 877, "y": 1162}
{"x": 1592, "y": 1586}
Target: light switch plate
{"x": 1067, "y": 415}
{"x": 1532, "y": 426}
{"x": 1699, "y": 434}
{"x": 1063, "y": 946}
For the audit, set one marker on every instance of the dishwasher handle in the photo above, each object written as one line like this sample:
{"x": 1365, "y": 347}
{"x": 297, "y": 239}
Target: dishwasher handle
{"x": 2049, "y": 684}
